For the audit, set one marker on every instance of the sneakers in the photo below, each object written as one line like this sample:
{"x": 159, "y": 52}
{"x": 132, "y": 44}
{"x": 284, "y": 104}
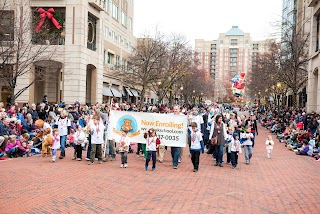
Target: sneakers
{"x": 79, "y": 159}
{"x": 105, "y": 160}
{"x": 146, "y": 168}
{"x": 74, "y": 158}
{"x": 161, "y": 161}
{"x": 113, "y": 159}
{"x": 87, "y": 159}
{"x": 90, "y": 163}
{"x": 125, "y": 165}
{"x": 100, "y": 162}
{"x": 220, "y": 165}
{"x": 179, "y": 161}
{"x": 53, "y": 160}
{"x": 175, "y": 167}
{"x": 121, "y": 166}
{"x": 216, "y": 164}
{"x": 153, "y": 168}
{"x": 195, "y": 170}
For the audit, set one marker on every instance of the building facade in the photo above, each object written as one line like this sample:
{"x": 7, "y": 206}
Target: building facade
{"x": 230, "y": 54}
{"x": 313, "y": 86}
{"x": 78, "y": 60}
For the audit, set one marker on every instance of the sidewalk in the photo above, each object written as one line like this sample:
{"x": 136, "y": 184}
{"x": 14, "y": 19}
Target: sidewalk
{"x": 286, "y": 183}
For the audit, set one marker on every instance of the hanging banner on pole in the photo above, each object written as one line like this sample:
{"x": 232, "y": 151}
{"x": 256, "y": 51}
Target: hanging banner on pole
{"x": 171, "y": 129}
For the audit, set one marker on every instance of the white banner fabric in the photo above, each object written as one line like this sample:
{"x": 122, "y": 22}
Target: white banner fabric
{"x": 171, "y": 129}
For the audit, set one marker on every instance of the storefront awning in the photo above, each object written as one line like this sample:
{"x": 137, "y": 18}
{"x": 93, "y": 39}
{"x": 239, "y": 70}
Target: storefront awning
{"x": 106, "y": 91}
{"x": 129, "y": 92}
{"x": 134, "y": 92}
{"x": 116, "y": 91}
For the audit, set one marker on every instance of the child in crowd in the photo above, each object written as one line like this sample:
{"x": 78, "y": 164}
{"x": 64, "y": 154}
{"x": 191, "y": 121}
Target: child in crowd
{"x": 247, "y": 143}
{"x": 12, "y": 147}
{"x": 151, "y": 148}
{"x": 228, "y": 148}
{"x": 196, "y": 145}
{"x": 23, "y": 146}
{"x": 71, "y": 138}
{"x": 79, "y": 141}
{"x": 124, "y": 143}
{"x": 269, "y": 146}
{"x": 55, "y": 144}
{"x": 306, "y": 149}
{"x": 235, "y": 148}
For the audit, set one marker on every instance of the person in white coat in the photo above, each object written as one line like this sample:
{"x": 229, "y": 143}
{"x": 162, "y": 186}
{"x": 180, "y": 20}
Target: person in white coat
{"x": 269, "y": 146}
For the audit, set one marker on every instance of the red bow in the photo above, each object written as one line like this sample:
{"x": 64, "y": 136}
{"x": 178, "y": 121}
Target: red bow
{"x": 43, "y": 15}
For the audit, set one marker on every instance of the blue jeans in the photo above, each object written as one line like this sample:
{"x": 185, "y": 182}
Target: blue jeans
{"x": 12, "y": 151}
{"x": 247, "y": 153}
{"x": 218, "y": 150}
{"x": 63, "y": 140}
{"x": 175, "y": 153}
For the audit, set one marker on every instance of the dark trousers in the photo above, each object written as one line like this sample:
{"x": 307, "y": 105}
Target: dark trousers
{"x": 96, "y": 149}
{"x": 234, "y": 158}
{"x": 139, "y": 149}
{"x": 218, "y": 152}
{"x": 89, "y": 147}
{"x": 124, "y": 157}
{"x": 78, "y": 150}
{"x": 154, "y": 158}
{"x": 228, "y": 155}
{"x": 195, "y": 158}
{"x": 175, "y": 154}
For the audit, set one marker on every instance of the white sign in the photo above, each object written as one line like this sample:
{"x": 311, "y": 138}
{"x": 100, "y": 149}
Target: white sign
{"x": 171, "y": 129}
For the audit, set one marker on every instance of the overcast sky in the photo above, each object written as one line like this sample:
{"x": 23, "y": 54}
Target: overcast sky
{"x": 205, "y": 19}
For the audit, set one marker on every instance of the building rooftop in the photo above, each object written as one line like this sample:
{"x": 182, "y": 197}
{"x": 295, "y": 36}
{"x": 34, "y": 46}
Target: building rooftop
{"x": 234, "y": 31}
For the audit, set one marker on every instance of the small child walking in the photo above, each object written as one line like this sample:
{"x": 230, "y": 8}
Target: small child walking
{"x": 55, "y": 144}
{"x": 79, "y": 141}
{"x": 269, "y": 146}
{"x": 152, "y": 144}
{"x": 196, "y": 145}
{"x": 124, "y": 143}
{"x": 235, "y": 148}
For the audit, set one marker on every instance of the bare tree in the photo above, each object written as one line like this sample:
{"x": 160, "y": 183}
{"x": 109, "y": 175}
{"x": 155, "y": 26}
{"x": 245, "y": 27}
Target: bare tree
{"x": 17, "y": 48}
{"x": 179, "y": 64}
{"x": 146, "y": 64}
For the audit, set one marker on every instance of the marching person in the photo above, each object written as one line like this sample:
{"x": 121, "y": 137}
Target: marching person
{"x": 96, "y": 131}
{"x": 196, "y": 145}
{"x": 218, "y": 133}
{"x": 63, "y": 124}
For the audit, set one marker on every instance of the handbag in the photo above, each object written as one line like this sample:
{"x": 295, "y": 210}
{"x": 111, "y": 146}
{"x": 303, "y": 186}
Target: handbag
{"x": 214, "y": 141}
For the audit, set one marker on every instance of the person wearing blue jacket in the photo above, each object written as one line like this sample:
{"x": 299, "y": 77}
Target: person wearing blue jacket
{"x": 196, "y": 145}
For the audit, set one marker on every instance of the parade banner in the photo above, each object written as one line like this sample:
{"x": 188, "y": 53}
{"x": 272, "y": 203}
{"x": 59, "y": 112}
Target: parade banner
{"x": 171, "y": 129}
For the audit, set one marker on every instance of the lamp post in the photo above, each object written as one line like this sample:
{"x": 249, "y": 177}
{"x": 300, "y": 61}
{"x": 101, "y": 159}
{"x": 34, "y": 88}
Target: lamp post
{"x": 279, "y": 87}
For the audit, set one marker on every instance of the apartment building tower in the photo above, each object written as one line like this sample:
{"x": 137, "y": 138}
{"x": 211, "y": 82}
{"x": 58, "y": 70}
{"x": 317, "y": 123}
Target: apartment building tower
{"x": 230, "y": 54}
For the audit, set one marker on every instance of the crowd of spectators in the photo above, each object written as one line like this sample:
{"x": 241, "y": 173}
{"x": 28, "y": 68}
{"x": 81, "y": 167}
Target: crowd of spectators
{"x": 297, "y": 130}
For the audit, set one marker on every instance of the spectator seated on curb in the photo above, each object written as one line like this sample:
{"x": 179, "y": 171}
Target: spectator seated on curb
{"x": 12, "y": 147}
{"x": 306, "y": 149}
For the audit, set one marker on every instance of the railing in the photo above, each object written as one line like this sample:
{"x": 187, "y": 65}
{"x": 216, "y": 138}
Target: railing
{"x": 98, "y": 4}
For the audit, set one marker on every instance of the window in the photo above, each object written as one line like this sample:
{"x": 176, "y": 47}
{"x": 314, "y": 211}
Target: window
{"x": 234, "y": 42}
{"x": 110, "y": 58}
{"x": 115, "y": 11}
{"x": 130, "y": 23}
{"x": 106, "y": 5}
{"x": 318, "y": 31}
{"x": 7, "y": 25}
{"x": 92, "y": 32}
{"x": 106, "y": 32}
{"x": 117, "y": 60}
{"x": 123, "y": 19}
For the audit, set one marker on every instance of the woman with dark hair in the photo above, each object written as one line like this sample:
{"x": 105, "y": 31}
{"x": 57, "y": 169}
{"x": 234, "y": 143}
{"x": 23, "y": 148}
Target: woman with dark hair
{"x": 218, "y": 132}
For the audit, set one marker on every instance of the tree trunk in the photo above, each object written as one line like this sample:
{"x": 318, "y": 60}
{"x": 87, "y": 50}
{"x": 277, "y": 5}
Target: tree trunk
{"x": 294, "y": 99}
{"x": 143, "y": 91}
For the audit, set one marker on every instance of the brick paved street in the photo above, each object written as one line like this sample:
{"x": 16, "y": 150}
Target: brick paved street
{"x": 286, "y": 183}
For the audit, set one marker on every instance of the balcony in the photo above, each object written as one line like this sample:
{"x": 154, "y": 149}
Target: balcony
{"x": 312, "y": 3}
{"x": 98, "y": 4}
